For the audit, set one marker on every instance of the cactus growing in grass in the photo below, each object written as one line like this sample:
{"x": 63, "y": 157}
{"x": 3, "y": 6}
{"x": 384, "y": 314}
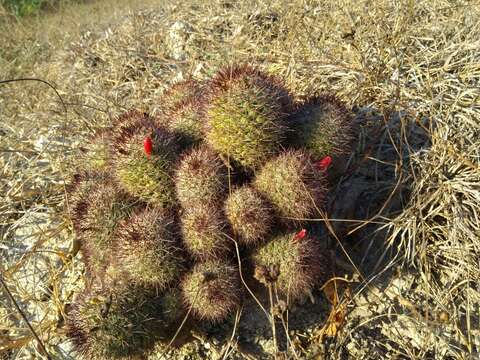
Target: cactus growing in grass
{"x": 299, "y": 261}
{"x": 212, "y": 290}
{"x": 246, "y": 115}
{"x": 323, "y": 126}
{"x": 293, "y": 183}
{"x": 200, "y": 177}
{"x": 204, "y": 231}
{"x": 121, "y": 322}
{"x": 146, "y": 174}
{"x": 156, "y": 191}
{"x": 147, "y": 248}
{"x": 249, "y": 214}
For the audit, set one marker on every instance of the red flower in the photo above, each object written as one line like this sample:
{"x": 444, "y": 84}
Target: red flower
{"x": 300, "y": 235}
{"x": 147, "y": 146}
{"x": 324, "y": 163}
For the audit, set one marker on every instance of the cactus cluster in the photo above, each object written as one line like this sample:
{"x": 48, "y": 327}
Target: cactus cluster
{"x": 163, "y": 206}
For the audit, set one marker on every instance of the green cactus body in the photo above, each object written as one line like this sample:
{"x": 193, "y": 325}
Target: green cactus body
{"x": 106, "y": 207}
{"x": 172, "y": 308}
{"x": 203, "y": 230}
{"x": 300, "y": 262}
{"x": 249, "y": 214}
{"x": 180, "y": 92}
{"x": 182, "y": 111}
{"x": 146, "y": 176}
{"x": 187, "y": 123}
{"x": 121, "y": 323}
{"x": 148, "y": 250}
{"x": 78, "y": 191}
{"x": 96, "y": 158}
{"x": 201, "y": 177}
{"x": 322, "y": 126}
{"x": 293, "y": 184}
{"x": 245, "y": 115}
{"x": 212, "y": 290}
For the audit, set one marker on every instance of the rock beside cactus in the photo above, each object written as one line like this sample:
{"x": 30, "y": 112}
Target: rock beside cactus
{"x": 212, "y": 289}
{"x": 246, "y": 115}
{"x": 201, "y": 177}
{"x": 147, "y": 248}
{"x": 249, "y": 214}
{"x": 323, "y": 126}
{"x": 293, "y": 184}
{"x": 294, "y": 262}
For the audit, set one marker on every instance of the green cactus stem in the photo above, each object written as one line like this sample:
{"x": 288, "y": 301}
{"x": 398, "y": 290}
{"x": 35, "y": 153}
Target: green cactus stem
{"x": 201, "y": 177}
{"x": 204, "y": 231}
{"x": 122, "y": 322}
{"x": 249, "y": 214}
{"x": 323, "y": 126}
{"x": 246, "y": 115}
{"x": 212, "y": 290}
{"x": 147, "y": 248}
{"x": 294, "y": 263}
{"x": 146, "y": 175}
{"x": 293, "y": 184}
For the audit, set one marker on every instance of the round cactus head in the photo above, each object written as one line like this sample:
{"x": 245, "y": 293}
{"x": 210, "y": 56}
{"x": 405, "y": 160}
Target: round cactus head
{"x": 203, "y": 230}
{"x": 78, "y": 191}
{"x": 246, "y": 115}
{"x": 180, "y": 92}
{"x": 212, "y": 290}
{"x": 293, "y": 262}
{"x": 293, "y": 184}
{"x": 121, "y": 322}
{"x": 182, "y": 111}
{"x": 186, "y": 122}
{"x": 147, "y": 248}
{"x": 143, "y": 157}
{"x": 106, "y": 207}
{"x": 249, "y": 214}
{"x": 95, "y": 155}
{"x": 201, "y": 177}
{"x": 323, "y": 126}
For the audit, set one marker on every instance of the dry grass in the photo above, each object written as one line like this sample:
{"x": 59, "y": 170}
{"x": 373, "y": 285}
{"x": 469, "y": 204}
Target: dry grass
{"x": 406, "y": 66}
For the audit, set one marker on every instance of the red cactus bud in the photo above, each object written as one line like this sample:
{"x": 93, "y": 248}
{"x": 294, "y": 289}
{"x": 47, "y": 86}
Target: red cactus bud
{"x": 324, "y": 163}
{"x": 147, "y": 146}
{"x": 300, "y": 235}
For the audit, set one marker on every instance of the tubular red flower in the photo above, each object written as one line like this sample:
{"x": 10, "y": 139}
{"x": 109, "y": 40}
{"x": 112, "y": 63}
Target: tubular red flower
{"x": 324, "y": 163}
{"x": 147, "y": 146}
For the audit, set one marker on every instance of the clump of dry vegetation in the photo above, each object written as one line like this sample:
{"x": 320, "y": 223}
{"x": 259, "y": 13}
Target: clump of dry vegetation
{"x": 409, "y": 222}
